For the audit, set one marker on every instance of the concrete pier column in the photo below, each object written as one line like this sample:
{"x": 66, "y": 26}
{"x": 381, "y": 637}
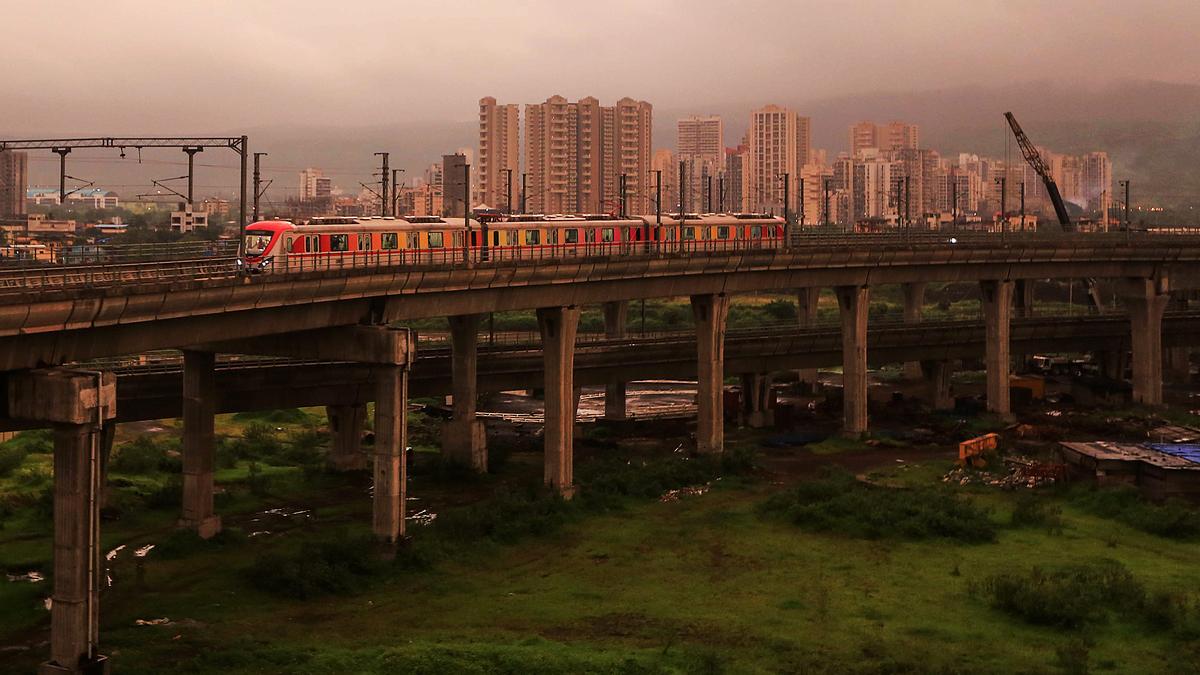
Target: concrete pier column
{"x": 937, "y": 375}
{"x": 391, "y": 440}
{"x": 1023, "y": 298}
{"x": 1146, "y": 300}
{"x": 80, "y": 405}
{"x": 756, "y": 391}
{"x": 914, "y": 304}
{"x": 464, "y": 439}
{"x": 853, "y": 302}
{"x": 997, "y": 317}
{"x": 346, "y": 426}
{"x": 1177, "y": 360}
{"x": 107, "y": 435}
{"x": 199, "y": 449}
{"x": 1112, "y": 363}
{"x": 558, "y": 326}
{"x": 615, "y": 314}
{"x": 806, "y": 313}
{"x": 710, "y": 312}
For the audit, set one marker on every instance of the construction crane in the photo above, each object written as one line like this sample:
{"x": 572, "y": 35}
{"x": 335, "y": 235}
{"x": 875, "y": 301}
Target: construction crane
{"x": 1034, "y": 158}
{"x": 1039, "y": 165}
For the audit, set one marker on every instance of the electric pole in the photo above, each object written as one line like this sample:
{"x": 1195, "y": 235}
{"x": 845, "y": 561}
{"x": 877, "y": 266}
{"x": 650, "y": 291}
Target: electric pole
{"x": 1125, "y": 184}
{"x": 1022, "y": 206}
{"x": 257, "y": 181}
{"x": 907, "y": 201}
{"x": 682, "y": 208}
{"x": 1003, "y": 181}
{"x": 621, "y": 206}
{"x": 62, "y": 175}
{"x": 508, "y": 191}
{"x": 787, "y": 198}
{"x": 954, "y": 202}
{"x": 191, "y": 153}
{"x": 383, "y": 185}
{"x": 395, "y": 189}
{"x": 825, "y": 203}
{"x": 524, "y": 192}
{"x": 721, "y": 193}
{"x": 708, "y": 189}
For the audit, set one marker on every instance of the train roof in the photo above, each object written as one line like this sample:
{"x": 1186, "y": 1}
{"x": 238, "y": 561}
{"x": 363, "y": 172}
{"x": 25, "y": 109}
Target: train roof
{"x": 376, "y": 224}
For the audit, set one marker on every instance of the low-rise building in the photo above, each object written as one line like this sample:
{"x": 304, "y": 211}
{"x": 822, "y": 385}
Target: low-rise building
{"x": 188, "y": 221}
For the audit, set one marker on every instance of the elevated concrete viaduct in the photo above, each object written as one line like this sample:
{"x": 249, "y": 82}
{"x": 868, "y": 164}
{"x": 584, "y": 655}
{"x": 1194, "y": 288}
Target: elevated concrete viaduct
{"x": 47, "y": 320}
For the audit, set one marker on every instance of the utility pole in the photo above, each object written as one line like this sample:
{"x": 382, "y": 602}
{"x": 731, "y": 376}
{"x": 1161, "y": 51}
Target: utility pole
{"x": 682, "y": 207}
{"x": 524, "y": 192}
{"x": 257, "y": 181}
{"x": 191, "y": 153}
{"x": 396, "y": 190}
{"x": 1022, "y": 206}
{"x": 621, "y": 207}
{"x": 62, "y": 175}
{"x": 954, "y": 202}
{"x": 907, "y": 201}
{"x": 787, "y": 198}
{"x": 708, "y": 189}
{"x": 721, "y": 193}
{"x": 508, "y": 191}
{"x": 1125, "y": 184}
{"x": 825, "y": 203}
{"x": 383, "y": 185}
{"x": 803, "y": 222}
{"x": 1003, "y": 181}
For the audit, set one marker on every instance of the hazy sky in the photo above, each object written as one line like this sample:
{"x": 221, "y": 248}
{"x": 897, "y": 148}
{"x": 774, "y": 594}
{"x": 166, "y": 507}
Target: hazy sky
{"x": 124, "y": 66}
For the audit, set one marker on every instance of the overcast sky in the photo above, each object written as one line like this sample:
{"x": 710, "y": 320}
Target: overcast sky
{"x": 174, "y": 65}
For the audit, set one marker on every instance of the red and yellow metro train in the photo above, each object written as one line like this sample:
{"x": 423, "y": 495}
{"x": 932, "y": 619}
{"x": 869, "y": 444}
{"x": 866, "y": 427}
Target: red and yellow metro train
{"x": 347, "y": 241}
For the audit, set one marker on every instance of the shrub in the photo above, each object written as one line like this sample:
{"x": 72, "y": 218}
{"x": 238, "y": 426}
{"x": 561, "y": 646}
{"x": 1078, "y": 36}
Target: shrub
{"x": 33, "y": 442}
{"x": 185, "y": 542}
{"x": 338, "y": 566}
{"x": 1031, "y": 511}
{"x": 509, "y": 515}
{"x": 840, "y": 503}
{"x": 11, "y": 458}
{"x": 1173, "y": 519}
{"x": 145, "y": 455}
{"x": 1071, "y": 597}
{"x": 276, "y": 417}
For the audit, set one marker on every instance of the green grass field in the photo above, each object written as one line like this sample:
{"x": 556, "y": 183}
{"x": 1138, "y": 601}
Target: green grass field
{"x": 616, "y": 581}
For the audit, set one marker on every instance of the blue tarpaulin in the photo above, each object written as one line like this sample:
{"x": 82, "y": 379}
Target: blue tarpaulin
{"x": 1188, "y": 451}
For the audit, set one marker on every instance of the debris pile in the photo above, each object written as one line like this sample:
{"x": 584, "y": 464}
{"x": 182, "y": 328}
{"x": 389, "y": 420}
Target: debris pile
{"x": 423, "y": 517}
{"x": 674, "y": 495}
{"x": 1022, "y": 472}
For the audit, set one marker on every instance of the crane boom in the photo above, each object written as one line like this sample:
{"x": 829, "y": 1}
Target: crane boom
{"x": 1034, "y": 158}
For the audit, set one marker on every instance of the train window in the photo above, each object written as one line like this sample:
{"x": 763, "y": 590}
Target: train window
{"x": 589, "y": 235}
{"x": 606, "y": 234}
{"x": 412, "y": 240}
{"x": 552, "y": 236}
{"x": 512, "y": 237}
{"x": 339, "y": 242}
{"x": 495, "y": 238}
{"x": 289, "y": 244}
{"x": 364, "y": 241}
{"x": 689, "y": 234}
{"x": 436, "y": 240}
{"x": 571, "y": 236}
{"x": 459, "y": 239}
{"x": 756, "y": 231}
{"x": 533, "y": 237}
{"x": 722, "y": 232}
{"x": 625, "y": 235}
{"x": 389, "y": 241}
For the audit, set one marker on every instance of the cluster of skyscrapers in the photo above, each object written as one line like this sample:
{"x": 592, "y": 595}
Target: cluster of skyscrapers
{"x": 581, "y": 157}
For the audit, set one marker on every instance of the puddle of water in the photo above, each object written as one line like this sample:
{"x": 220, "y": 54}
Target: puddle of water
{"x": 152, "y": 622}
{"x": 114, "y": 553}
{"x": 144, "y": 551}
{"x": 259, "y": 532}
{"x": 33, "y": 577}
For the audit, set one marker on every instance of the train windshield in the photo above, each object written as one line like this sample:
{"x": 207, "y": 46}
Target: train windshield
{"x": 256, "y": 241}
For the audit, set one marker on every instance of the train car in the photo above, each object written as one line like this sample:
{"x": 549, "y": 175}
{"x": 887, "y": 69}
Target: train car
{"x": 332, "y": 242}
